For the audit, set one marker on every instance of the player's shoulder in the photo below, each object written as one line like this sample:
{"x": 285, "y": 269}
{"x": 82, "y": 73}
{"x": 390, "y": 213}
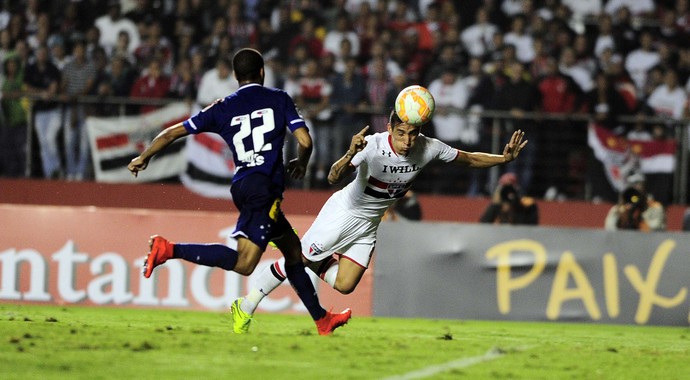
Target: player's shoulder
{"x": 426, "y": 141}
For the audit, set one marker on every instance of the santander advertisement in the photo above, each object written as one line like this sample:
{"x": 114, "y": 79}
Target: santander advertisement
{"x": 94, "y": 256}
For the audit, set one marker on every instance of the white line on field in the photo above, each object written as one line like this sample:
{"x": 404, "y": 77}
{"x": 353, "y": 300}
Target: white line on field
{"x": 455, "y": 364}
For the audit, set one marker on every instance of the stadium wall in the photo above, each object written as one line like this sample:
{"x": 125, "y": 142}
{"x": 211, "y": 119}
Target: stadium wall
{"x": 83, "y": 243}
{"x": 167, "y": 196}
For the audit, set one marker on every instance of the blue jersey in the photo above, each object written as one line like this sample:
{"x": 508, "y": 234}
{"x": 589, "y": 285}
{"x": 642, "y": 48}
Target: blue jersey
{"x": 253, "y": 122}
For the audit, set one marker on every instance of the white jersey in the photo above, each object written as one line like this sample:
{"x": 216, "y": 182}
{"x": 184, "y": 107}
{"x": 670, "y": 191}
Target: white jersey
{"x": 383, "y": 176}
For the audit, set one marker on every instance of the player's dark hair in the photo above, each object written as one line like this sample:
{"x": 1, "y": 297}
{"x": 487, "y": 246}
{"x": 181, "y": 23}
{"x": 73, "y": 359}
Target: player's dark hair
{"x": 394, "y": 119}
{"x": 247, "y": 64}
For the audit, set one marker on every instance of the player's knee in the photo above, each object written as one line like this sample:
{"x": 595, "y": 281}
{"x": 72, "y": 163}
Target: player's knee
{"x": 246, "y": 265}
{"x": 344, "y": 287}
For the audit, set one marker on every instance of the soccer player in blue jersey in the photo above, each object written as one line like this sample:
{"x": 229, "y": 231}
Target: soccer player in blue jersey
{"x": 253, "y": 121}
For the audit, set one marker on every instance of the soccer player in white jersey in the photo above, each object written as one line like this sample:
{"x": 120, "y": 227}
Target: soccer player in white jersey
{"x": 339, "y": 244}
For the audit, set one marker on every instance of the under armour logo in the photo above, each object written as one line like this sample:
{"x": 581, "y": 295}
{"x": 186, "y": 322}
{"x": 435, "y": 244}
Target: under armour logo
{"x": 383, "y": 153}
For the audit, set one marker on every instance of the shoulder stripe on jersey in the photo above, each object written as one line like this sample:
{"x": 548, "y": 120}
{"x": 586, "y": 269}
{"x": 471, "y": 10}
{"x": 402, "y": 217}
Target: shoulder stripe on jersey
{"x": 191, "y": 124}
{"x": 296, "y": 121}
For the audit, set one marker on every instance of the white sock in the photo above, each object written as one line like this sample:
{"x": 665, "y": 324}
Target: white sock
{"x": 331, "y": 274}
{"x": 264, "y": 285}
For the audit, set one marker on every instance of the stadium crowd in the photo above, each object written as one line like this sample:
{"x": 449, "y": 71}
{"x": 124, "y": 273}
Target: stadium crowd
{"x": 345, "y": 61}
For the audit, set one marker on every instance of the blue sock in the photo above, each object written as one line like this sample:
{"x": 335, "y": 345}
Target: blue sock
{"x": 305, "y": 289}
{"x": 211, "y": 255}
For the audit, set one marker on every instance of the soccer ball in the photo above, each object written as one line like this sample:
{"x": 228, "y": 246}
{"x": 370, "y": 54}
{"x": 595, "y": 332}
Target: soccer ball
{"x": 415, "y": 105}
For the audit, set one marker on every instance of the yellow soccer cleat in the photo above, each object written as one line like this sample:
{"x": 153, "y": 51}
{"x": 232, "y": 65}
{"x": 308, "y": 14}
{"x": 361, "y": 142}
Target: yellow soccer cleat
{"x": 240, "y": 319}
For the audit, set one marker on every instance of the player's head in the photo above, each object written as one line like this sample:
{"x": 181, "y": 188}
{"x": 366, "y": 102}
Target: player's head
{"x": 248, "y": 65}
{"x": 403, "y": 135}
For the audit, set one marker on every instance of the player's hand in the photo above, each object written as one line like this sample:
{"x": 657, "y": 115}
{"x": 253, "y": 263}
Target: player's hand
{"x": 358, "y": 142}
{"x": 514, "y": 146}
{"x": 136, "y": 165}
{"x": 295, "y": 169}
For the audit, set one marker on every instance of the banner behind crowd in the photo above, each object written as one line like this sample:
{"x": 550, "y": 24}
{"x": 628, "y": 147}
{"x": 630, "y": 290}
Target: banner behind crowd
{"x": 473, "y": 271}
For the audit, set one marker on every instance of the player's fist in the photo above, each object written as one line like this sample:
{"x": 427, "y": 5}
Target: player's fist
{"x": 295, "y": 169}
{"x": 136, "y": 165}
{"x": 358, "y": 142}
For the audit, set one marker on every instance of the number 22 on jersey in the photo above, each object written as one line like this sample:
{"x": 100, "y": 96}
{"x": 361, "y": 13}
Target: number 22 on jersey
{"x": 250, "y": 154}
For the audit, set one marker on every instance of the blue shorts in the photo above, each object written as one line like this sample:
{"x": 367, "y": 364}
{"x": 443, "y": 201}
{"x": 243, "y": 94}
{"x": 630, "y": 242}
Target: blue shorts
{"x": 258, "y": 200}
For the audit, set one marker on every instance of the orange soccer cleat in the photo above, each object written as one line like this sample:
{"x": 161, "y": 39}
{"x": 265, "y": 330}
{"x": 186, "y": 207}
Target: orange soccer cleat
{"x": 160, "y": 251}
{"x": 331, "y": 321}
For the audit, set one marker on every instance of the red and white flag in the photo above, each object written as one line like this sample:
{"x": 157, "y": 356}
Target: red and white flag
{"x": 621, "y": 156}
{"x": 210, "y": 167}
{"x": 115, "y": 141}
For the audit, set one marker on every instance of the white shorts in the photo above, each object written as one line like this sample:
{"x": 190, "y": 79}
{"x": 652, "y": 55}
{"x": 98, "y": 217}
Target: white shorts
{"x": 335, "y": 231}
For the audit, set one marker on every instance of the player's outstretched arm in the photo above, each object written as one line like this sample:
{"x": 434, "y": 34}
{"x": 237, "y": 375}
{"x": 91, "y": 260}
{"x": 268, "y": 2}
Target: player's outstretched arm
{"x": 342, "y": 167}
{"x": 485, "y": 160}
{"x": 165, "y": 138}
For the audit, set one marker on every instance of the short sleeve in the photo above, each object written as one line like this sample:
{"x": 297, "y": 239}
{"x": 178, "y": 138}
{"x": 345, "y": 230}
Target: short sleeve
{"x": 442, "y": 151}
{"x": 360, "y": 156}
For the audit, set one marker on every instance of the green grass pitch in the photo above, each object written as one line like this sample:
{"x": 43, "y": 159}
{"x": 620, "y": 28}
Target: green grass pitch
{"x": 70, "y": 342}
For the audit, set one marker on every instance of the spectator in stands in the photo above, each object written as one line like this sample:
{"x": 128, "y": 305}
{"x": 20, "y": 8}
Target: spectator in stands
{"x": 668, "y": 99}
{"x": 6, "y": 44}
{"x": 636, "y": 209}
{"x": 478, "y": 36}
{"x": 682, "y": 12}
{"x": 313, "y": 98}
{"x": 508, "y": 206}
{"x": 58, "y": 52}
{"x": 450, "y": 124}
{"x": 569, "y": 66}
{"x": 379, "y": 52}
{"x": 518, "y": 37}
{"x": 78, "y": 78}
{"x": 559, "y": 95}
{"x": 636, "y": 7}
{"x": 42, "y": 79}
{"x": 223, "y": 50}
{"x": 40, "y": 37}
{"x": 216, "y": 83}
{"x": 182, "y": 83}
{"x": 91, "y": 38}
{"x": 581, "y": 9}
{"x": 153, "y": 84}
{"x": 14, "y": 120}
{"x": 640, "y": 60}
{"x": 607, "y": 103}
{"x": 605, "y": 38}
{"x": 122, "y": 76}
{"x": 343, "y": 31}
{"x": 377, "y": 88}
{"x": 347, "y": 96}
{"x": 155, "y": 46}
{"x": 122, "y": 48}
{"x": 101, "y": 80}
{"x": 448, "y": 56}
{"x": 307, "y": 35}
{"x": 519, "y": 96}
{"x": 242, "y": 31}
{"x": 112, "y": 24}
